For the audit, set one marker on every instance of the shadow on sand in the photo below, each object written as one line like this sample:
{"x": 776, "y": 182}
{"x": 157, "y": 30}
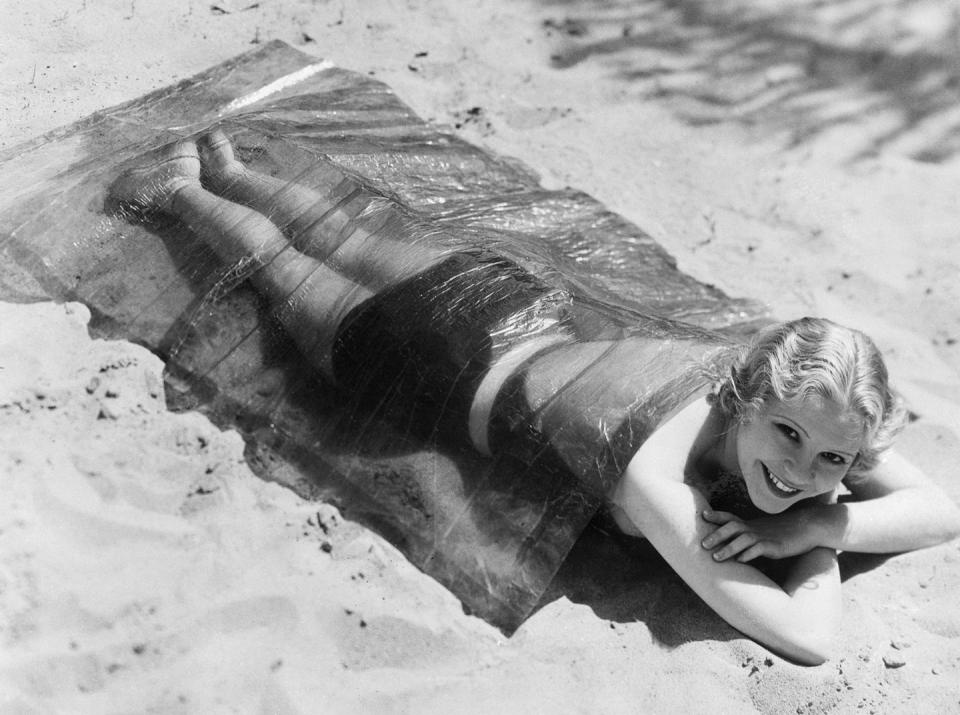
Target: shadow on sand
{"x": 887, "y": 72}
{"x": 623, "y": 580}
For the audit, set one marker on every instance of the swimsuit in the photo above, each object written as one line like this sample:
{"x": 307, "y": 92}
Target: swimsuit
{"x": 420, "y": 349}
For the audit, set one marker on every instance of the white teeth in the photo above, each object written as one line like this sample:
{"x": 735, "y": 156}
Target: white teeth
{"x": 778, "y": 484}
{"x": 781, "y": 485}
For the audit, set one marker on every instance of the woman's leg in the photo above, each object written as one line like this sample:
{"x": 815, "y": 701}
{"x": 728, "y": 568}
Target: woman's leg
{"x": 360, "y": 234}
{"x": 294, "y": 208}
{"x": 309, "y": 298}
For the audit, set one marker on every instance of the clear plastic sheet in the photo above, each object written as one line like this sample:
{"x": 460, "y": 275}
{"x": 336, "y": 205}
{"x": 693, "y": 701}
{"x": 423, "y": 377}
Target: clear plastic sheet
{"x": 573, "y": 334}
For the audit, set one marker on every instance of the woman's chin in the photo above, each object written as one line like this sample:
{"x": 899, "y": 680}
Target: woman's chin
{"x": 767, "y": 503}
{"x": 766, "y": 509}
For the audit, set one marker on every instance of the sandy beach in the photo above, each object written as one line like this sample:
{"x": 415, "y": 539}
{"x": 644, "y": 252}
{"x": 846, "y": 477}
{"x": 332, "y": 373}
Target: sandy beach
{"x": 809, "y": 160}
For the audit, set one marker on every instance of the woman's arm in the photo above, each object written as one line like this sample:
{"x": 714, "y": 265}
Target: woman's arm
{"x": 898, "y": 508}
{"x": 798, "y": 620}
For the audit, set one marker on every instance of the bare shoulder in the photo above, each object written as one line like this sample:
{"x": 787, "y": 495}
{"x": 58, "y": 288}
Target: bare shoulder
{"x": 664, "y": 456}
{"x": 667, "y": 452}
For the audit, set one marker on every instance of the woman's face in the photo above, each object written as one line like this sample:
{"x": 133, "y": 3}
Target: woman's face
{"x": 789, "y": 452}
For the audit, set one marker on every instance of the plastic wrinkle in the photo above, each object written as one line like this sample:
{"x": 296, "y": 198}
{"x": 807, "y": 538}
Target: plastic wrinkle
{"x": 517, "y": 347}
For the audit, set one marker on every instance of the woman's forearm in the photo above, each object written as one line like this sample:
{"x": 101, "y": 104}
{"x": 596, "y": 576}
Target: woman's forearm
{"x": 904, "y": 520}
{"x": 813, "y": 586}
{"x": 816, "y": 570}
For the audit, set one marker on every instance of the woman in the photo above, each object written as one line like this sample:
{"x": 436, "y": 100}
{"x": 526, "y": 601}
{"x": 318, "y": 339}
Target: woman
{"x": 482, "y": 350}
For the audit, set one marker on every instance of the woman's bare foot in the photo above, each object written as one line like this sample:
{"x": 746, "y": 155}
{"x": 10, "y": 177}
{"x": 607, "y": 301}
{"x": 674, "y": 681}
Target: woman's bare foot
{"x": 151, "y": 186}
{"x": 220, "y": 167}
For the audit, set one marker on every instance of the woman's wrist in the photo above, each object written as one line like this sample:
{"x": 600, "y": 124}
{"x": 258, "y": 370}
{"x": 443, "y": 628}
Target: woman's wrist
{"x": 825, "y": 523}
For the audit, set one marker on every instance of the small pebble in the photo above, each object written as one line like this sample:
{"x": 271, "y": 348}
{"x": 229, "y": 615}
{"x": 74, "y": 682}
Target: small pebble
{"x": 107, "y": 412}
{"x": 894, "y": 660}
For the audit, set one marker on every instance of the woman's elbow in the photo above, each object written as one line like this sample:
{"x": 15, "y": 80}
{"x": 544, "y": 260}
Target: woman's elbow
{"x": 952, "y": 527}
{"x": 807, "y": 639}
{"x": 814, "y": 654}
{"x": 811, "y": 647}
{"x": 940, "y": 520}
{"x": 947, "y": 525}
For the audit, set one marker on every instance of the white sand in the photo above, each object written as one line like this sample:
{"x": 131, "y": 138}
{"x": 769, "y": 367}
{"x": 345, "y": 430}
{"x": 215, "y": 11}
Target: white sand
{"x": 143, "y": 568}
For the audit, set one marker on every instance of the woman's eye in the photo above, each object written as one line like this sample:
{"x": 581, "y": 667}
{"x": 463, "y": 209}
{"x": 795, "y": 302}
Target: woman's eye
{"x": 834, "y": 458}
{"x": 789, "y": 432}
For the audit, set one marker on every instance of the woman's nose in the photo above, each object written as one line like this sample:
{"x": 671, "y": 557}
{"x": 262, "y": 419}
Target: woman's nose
{"x": 800, "y": 469}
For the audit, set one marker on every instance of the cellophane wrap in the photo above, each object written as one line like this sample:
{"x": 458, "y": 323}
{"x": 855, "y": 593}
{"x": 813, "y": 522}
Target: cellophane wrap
{"x": 640, "y": 338}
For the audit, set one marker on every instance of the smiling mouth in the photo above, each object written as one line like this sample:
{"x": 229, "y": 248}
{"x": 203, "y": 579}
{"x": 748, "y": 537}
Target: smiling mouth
{"x": 778, "y": 487}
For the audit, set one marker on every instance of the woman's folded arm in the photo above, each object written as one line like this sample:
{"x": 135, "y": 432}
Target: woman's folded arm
{"x": 798, "y": 619}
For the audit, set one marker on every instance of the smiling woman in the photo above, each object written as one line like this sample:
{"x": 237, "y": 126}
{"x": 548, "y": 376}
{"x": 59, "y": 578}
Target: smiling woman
{"x": 818, "y": 360}
{"x": 788, "y": 452}
{"x": 805, "y": 410}
{"x": 458, "y": 339}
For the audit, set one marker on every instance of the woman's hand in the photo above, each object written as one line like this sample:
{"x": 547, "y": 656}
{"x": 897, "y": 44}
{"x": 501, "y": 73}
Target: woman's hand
{"x": 777, "y": 537}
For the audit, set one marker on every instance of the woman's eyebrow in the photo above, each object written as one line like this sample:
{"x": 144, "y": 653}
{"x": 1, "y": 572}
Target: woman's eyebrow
{"x": 792, "y": 423}
{"x": 846, "y": 452}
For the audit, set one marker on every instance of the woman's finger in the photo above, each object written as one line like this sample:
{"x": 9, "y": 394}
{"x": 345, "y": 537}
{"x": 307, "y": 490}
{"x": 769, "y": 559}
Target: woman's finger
{"x": 741, "y": 543}
{"x": 721, "y": 534}
{"x": 758, "y": 549}
{"x": 718, "y": 517}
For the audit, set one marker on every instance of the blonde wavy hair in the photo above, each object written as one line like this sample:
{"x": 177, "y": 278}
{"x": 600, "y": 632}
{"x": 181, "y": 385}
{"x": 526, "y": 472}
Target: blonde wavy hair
{"x": 817, "y": 357}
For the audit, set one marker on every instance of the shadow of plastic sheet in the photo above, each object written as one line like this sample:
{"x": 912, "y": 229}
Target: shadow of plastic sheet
{"x": 641, "y": 587}
{"x": 624, "y": 580}
{"x": 891, "y": 70}
{"x": 494, "y": 530}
